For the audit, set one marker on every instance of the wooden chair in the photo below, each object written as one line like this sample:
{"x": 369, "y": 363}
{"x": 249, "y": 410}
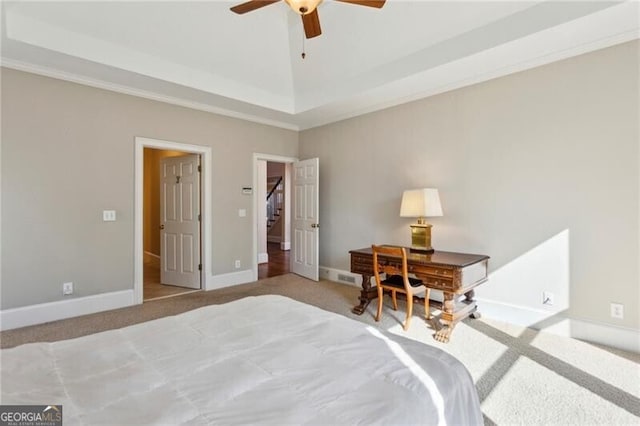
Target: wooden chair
{"x": 397, "y": 280}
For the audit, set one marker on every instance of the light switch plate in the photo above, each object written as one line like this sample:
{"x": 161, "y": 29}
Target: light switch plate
{"x": 242, "y": 212}
{"x": 109, "y": 215}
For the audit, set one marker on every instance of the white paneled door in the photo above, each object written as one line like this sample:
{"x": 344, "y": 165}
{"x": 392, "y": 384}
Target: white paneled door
{"x": 305, "y": 221}
{"x": 180, "y": 221}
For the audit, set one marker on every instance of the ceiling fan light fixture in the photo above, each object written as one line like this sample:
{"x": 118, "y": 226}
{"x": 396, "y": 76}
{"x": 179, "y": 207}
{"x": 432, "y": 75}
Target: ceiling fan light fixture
{"x": 303, "y": 7}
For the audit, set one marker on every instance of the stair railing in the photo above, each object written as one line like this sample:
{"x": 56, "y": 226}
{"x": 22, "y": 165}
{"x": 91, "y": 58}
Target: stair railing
{"x": 274, "y": 203}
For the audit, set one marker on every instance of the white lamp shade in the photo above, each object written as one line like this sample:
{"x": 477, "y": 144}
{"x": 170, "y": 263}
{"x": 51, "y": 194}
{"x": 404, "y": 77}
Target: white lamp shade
{"x": 421, "y": 203}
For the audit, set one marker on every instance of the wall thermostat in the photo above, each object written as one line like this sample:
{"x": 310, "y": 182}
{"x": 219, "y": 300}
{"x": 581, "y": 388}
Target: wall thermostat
{"x": 247, "y": 190}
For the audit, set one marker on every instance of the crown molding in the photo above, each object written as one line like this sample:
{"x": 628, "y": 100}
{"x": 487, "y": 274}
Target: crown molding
{"x": 118, "y": 88}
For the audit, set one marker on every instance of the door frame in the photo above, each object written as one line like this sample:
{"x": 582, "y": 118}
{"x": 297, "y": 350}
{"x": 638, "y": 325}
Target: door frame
{"x": 256, "y": 158}
{"x": 205, "y": 202}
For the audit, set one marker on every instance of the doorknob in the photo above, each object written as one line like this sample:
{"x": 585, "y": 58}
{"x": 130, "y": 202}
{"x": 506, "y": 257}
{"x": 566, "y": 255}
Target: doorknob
{"x": 161, "y": 226}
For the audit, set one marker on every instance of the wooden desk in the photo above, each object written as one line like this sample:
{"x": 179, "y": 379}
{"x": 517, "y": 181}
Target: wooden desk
{"x": 454, "y": 274}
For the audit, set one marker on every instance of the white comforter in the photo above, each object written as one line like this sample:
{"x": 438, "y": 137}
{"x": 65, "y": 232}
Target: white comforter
{"x": 258, "y": 360}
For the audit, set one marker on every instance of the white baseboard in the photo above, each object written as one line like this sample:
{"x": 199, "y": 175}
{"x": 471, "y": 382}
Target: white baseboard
{"x": 229, "y": 279}
{"x": 52, "y": 311}
{"x": 263, "y": 258}
{"x": 340, "y": 276}
{"x": 617, "y": 337}
{"x": 285, "y": 245}
{"x": 151, "y": 258}
{"x": 148, "y": 253}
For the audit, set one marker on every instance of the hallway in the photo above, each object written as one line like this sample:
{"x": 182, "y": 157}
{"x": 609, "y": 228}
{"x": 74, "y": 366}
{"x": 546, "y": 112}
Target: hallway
{"x": 278, "y": 262}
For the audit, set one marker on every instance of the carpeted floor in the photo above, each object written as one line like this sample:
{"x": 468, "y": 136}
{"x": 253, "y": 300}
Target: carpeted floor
{"x": 522, "y": 376}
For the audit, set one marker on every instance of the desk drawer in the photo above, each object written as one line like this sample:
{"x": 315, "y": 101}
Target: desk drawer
{"x": 440, "y": 283}
{"x": 431, "y": 270}
{"x": 362, "y": 265}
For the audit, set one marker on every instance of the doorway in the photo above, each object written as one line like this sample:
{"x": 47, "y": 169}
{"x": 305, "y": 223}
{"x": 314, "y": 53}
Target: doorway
{"x": 205, "y": 237}
{"x": 171, "y": 224}
{"x": 274, "y": 241}
{"x": 272, "y": 223}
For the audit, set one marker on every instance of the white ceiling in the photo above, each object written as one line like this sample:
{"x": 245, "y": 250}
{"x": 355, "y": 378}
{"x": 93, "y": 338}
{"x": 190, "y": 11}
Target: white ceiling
{"x": 201, "y": 55}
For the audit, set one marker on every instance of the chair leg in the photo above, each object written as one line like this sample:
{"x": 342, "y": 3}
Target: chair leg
{"x": 380, "y": 296}
{"x": 427, "y": 311}
{"x": 409, "y": 312}
{"x": 395, "y": 301}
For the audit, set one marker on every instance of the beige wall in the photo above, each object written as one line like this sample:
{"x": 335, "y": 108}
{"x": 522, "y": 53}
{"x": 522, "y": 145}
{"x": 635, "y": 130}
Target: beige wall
{"x": 68, "y": 154}
{"x": 539, "y": 170}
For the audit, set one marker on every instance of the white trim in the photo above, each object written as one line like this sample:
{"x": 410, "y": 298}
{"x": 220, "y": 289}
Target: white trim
{"x": 524, "y": 316}
{"x": 617, "y": 337}
{"x": 148, "y": 253}
{"x": 151, "y": 258}
{"x": 263, "y": 257}
{"x": 230, "y": 279}
{"x": 207, "y": 173}
{"x": 331, "y": 274}
{"x": 53, "y": 311}
{"x": 285, "y": 245}
{"x": 256, "y": 158}
{"x": 145, "y": 94}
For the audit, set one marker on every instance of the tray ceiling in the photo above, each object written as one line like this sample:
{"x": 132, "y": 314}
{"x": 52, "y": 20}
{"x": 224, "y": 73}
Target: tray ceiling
{"x": 201, "y": 55}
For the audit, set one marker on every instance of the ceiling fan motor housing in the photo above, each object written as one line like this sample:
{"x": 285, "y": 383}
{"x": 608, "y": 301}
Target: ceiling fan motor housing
{"x": 303, "y": 7}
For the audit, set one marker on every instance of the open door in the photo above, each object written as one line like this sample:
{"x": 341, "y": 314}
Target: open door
{"x": 305, "y": 219}
{"x": 180, "y": 221}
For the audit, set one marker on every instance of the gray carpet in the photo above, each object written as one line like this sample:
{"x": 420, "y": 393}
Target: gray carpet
{"x": 522, "y": 376}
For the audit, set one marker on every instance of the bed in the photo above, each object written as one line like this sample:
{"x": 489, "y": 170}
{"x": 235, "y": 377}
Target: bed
{"x": 258, "y": 360}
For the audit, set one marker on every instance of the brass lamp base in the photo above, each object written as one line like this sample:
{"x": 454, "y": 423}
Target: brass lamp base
{"x": 421, "y": 238}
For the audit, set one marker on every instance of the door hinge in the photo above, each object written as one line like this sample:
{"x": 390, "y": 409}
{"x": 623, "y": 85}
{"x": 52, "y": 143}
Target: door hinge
{"x": 199, "y": 218}
{"x": 200, "y": 267}
{"x": 199, "y": 168}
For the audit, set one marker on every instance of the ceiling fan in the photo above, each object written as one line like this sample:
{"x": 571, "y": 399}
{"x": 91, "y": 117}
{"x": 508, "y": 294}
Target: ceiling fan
{"x": 306, "y": 8}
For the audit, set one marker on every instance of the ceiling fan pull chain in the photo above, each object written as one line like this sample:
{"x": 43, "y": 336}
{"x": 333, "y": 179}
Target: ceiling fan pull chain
{"x": 303, "y": 54}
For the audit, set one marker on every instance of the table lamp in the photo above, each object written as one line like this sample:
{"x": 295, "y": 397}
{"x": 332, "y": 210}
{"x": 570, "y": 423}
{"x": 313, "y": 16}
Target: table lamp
{"x": 421, "y": 203}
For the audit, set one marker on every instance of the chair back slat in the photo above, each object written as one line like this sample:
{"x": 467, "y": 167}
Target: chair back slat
{"x": 385, "y": 259}
{"x": 379, "y": 266}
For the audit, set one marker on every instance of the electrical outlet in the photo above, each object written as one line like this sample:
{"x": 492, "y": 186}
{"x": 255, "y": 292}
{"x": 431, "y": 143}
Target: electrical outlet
{"x": 237, "y": 264}
{"x": 617, "y": 310}
{"x": 67, "y": 289}
{"x": 548, "y": 298}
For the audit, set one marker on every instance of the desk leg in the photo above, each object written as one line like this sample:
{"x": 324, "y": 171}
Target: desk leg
{"x": 469, "y": 298}
{"x": 447, "y": 320}
{"x": 367, "y": 294}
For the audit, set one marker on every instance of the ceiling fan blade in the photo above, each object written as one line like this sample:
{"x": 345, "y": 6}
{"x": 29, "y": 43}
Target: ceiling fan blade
{"x": 251, "y": 5}
{"x": 371, "y": 3}
{"x": 311, "y": 23}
